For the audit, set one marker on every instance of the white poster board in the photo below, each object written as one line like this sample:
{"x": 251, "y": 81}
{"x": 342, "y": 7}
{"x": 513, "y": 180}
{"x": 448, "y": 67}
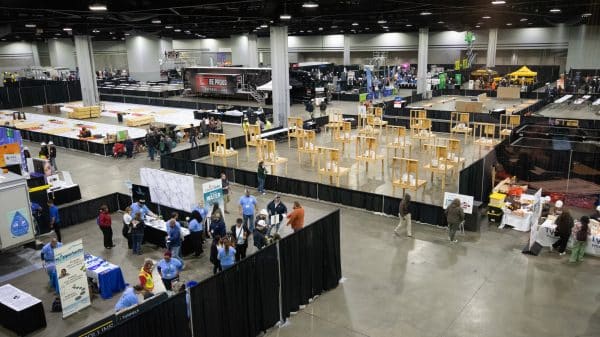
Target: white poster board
{"x": 169, "y": 189}
{"x": 466, "y": 201}
{"x": 213, "y": 193}
{"x": 16, "y": 225}
{"x": 72, "y": 279}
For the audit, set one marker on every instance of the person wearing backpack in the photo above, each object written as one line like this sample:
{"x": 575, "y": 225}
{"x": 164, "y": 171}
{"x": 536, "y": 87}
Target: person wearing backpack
{"x": 104, "y": 222}
{"x": 581, "y": 235}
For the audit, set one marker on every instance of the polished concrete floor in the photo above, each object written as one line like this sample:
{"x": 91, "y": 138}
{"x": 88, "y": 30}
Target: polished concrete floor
{"x": 392, "y": 285}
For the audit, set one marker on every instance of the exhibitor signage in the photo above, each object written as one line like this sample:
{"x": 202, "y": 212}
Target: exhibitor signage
{"x": 72, "y": 280}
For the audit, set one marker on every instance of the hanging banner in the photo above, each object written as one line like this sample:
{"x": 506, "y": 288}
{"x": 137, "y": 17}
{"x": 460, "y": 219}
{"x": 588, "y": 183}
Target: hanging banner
{"x": 458, "y": 79}
{"x": 213, "y": 193}
{"x": 457, "y": 65}
{"x": 72, "y": 280}
{"x": 443, "y": 80}
{"x": 466, "y": 201}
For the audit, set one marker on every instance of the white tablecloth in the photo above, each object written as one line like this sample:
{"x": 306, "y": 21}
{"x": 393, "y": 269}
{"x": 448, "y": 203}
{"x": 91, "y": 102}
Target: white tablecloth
{"x": 517, "y": 222}
{"x": 16, "y": 299}
{"x": 161, "y": 225}
{"x": 544, "y": 235}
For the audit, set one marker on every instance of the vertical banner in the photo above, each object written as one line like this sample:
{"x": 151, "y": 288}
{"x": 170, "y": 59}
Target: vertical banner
{"x": 72, "y": 279}
{"x": 213, "y": 193}
{"x": 443, "y": 80}
{"x": 458, "y": 79}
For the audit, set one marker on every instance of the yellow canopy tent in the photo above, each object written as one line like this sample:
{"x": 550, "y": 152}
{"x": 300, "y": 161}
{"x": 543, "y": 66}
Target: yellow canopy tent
{"x": 523, "y": 72}
{"x": 484, "y": 73}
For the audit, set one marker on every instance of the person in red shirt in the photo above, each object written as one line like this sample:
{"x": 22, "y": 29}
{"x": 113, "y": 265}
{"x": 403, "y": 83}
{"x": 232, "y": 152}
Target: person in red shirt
{"x": 296, "y": 217}
{"x": 105, "y": 222}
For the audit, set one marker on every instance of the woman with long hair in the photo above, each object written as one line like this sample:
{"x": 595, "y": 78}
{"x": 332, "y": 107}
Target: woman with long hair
{"x": 226, "y": 254}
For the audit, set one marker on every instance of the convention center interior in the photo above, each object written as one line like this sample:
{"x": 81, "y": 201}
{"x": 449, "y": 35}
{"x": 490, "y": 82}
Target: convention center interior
{"x": 279, "y": 168}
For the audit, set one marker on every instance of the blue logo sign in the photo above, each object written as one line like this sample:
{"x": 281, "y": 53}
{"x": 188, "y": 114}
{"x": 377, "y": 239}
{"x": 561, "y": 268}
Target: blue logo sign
{"x": 19, "y": 225}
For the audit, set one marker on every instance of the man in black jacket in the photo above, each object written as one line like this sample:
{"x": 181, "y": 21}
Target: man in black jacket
{"x": 278, "y": 208}
{"x": 240, "y": 233}
{"x": 152, "y": 143}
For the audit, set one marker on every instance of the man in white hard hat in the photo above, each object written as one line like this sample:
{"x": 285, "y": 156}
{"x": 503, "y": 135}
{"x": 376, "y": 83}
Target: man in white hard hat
{"x": 43, "y": 151}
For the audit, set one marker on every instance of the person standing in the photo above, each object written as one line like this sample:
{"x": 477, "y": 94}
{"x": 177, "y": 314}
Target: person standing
{"x": 52, "y": 155}
{"x": 261, "y": 173}
{"x": 137, "y": 233}
{"x": 277, "y": 208}
{"x": 247, "y": 209}
{"x": 127, "y": 218}
{"x": 404, "y": 214}
{"x": 105, "y": 222}
{"x": 47, "y": 255}
{"x": 145, "y": 277}
{"x": 240, "y": 232}
{"x": 169, "y": 268}
{"x": 583, "y": 230}
{"x": 196, "y": 231}
{"x": 454, "y": 216}
{"x": 217, "y": 223}
{"x": 54, "y": 219}
{"x": 151, "y": 143}
{"x": 140, "y": 206}
{"x": 174, "y": 236}
{"x": 193, "y": 136}
{"x": 43, "y": 154}
{"x": 129, "y": 147}
{"x": 226, "y": 255}
{"x": 296, "y": 217}
{"x": 214, "y": 252}
{"x": 564, "y": 225}
{"x": 225, "y": 187}
{"x": 129, "y": 298}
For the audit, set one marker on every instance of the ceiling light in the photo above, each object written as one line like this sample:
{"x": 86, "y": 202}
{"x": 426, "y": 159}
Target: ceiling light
{"x": 478, "y": 26}
{"x": 408, "y": 25}
{"x": 381, "y": 22}
{"x": 126, "y": 34}
{"x": 320, "y": 28}
{"x": 367, "y": 28}
{"x": 486, "y": 17}
{"x": 498, "y": 2}
{"x": 425, "y": 13}
{"x": 309, "y": 31}
{"x": 263, "y": 26}
{"x": 355, "y": 23}
{"x": 168, "y": 27}
{"x": 441, "y": 22}
{"x": 3, "y": 39}
{"x": 310, "y": 4}
{"x": 555, "y": 10}
{"x": 187, "y": 32}
{"x": 509, "y": 24}
{"x": 122, "y": 38}
{"x": 54, "y": 38}
{"x": 156, "y": 21}
{"x": 30, "y": 25}
{"x": 334, "y": 27}
{"x": 285, "y": 17}
{"x": 95, "y": 31}
{"x": 114, "y": 37}
{"x": 57, "y": 34}
{"x": 67, "y": 29}
{"x": 301, "y": 31}
{"x": 385, "y": 27}
{"x": 585, "y": 15}
{"x": 177, "y": 30}
{"x": 523, "y": 19}
{"x": 111, "y": 33}
{"x": 530, "y": 23}
{"x": 97, "y": 7}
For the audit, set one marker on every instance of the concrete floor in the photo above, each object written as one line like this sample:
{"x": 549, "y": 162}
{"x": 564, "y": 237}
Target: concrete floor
{"x": 571, "y": 111}
{"x": 393, "y": 286}
{"x": 448, "y": 102}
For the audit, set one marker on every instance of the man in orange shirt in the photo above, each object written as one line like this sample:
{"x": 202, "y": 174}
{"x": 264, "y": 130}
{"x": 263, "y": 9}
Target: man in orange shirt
{"x": 296, "y": 217}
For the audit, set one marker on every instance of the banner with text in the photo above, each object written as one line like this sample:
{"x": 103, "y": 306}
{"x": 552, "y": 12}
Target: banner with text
{"x": 72, "y": 280}
{"x": 213, "y": 193}
{"x": 466, "y": 201}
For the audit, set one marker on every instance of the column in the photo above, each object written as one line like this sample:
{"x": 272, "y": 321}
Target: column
{"x": 346, "y": 50}
{"x": 422, "y": 60}
{"x": 87, "y": 70}
{"x": 35, "y": 53}
{"x": 244, "y": 50}
{"x": 252, "y": 51}
{"x": 62, "y": 53}
{"x": 491, "y": 49}
{"x": 280, "y": 75}
{"x": 143, "y": 54}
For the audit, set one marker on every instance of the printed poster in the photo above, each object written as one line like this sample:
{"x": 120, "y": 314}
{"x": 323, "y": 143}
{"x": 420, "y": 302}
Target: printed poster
{"x": 20, "y": 225}
{"x": 213, "y": 193}
{"x": 466, "y": 201}
{"x": 72, "y": 279}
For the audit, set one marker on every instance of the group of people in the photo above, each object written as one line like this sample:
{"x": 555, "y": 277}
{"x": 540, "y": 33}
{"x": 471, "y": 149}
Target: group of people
{"x": 163, "y": 142}
{"x": 47, "y": 151}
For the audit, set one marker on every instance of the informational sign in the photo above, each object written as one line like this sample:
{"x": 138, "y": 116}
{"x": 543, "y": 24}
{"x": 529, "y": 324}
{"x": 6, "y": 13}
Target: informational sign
{"x": 443, "y": 80}
{"x": 10, "y": 154}
{"x": 140, "y": 192}
{"x": 458, "y": 79}
{"x": 20, "y": 225}
{"x": 169, "y": 189}
{"x": 72, "y": 280}
{"x": 224, "y": 84}
{"x": 466, "y": 201}
{"x": 213, "y": 193}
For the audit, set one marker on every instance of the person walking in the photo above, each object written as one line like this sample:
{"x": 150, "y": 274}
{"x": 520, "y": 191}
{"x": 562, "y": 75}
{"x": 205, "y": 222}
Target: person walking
{"x": 168, "y": 269}
{"x": 214, "y": 252}
{"x": 405, "y": 217}
{"x": 174, "y": 236}
{"x": 226, "y": 254}
{"x": 261, "y": 173}
{"x": 564, "y": 225}
{"x": 126, "y": 231}
{"x": 105, "y": 224}
{"x": 193, "y": 136}
{"x": 196, "y": 228}
{"x": 44, "y": 154}
{"x": 454, "y": 216}
{"x": 54, "y": 219}
{"x": 225, "y": 187}
{"x": 247, "y": 208}
{"x": 145, "y": 278}
{"x": 279, "y": 210}
{"x": 581, "y": 235}
{"x": 52, "y": 155}
{"x": 129, "y": 298}
{"x": 137, "y": 233}
{"x": 296, "y": 217}
{"x": 47, "y": 255}
{"x": 240, "y": 232}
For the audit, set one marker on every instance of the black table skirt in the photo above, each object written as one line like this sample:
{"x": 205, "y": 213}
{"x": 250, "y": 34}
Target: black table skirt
{"x": 158, "y": 237}
{"x": 66, "y": 195}
{"x": 23, "y": 322}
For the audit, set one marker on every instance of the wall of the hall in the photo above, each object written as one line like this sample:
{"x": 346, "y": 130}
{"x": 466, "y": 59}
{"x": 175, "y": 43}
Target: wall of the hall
{"x": 584, "y": 48}
{"x": 15, "y": 55}
{"x": 110, "y": 55}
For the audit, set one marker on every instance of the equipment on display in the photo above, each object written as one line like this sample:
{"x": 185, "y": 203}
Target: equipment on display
{"x": 16, "y": 224}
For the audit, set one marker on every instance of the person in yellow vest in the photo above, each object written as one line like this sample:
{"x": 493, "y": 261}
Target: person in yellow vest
{"x": 268, "y": 125}
{"x": 145, "y": 277}
{"x": 245, "y": 125}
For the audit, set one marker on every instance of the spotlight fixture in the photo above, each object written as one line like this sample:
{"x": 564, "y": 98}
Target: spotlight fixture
{"x": 509, "y": 24}
{"x": 382, "y": 22}
{"x": 320, "y": 28}
{"x": 441, "y": 22}
{"x": 264, "y": 26}
{"x": 177, "y": 30}
{"x": 555, "y": 10}
{"x": 309, "y": 31}
{"x": 478, "y": 26}
{"x": 301, "y": 31}
{"x": 168, "y": 27}
{"x": 355, "y": 23}
{"x": 586, "y": 15}
{"x": 408, "y": 25}
{"x": 57, "y": 34}
{"x": 97, "y": 7}
{"x": 67, "y": 29}
{"x": 367, "y": 28}
{"x": 425, "y": 13}
{"x": 96, "y": 31}
{"x": 385, "y": 27}
{"x": 498, "y": 2}
{"x": 111, "y": 33}
{"x": 157, "y": 21}
{"x": 187, "y": 32}
{"x": 285, "y": 17}
{"x": 30, "y": 25}
{"x": 126, "y": 34}
{"x": 334, "y": 27}
{"x": 486, "y": 17}
{"x": 523, "y": 19}
{"x": 310, "y": 4}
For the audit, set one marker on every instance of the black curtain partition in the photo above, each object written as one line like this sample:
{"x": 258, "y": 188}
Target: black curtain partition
{"x": 470, "y": 179}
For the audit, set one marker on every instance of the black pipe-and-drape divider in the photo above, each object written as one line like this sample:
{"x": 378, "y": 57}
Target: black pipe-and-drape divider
{"x": 38, "y": 92}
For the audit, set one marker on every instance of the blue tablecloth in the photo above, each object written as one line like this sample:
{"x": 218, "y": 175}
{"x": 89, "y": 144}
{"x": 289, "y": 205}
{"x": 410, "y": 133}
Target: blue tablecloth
{"x": 107, "y": 275}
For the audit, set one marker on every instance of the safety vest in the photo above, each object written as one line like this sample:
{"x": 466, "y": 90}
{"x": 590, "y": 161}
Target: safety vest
{"x": 149, "y": 284}
{"x": 268, "y": 125}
